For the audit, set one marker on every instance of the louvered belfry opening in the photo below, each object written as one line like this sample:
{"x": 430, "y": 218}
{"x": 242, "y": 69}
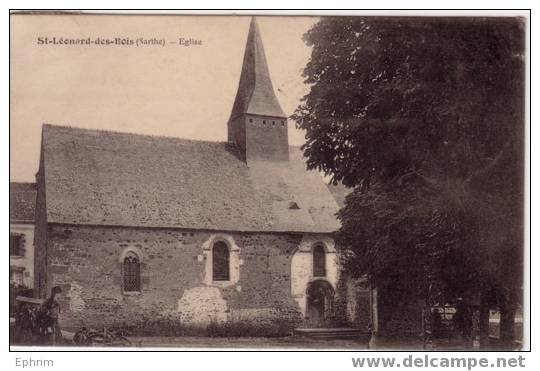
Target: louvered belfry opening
{"x": 132, "y": 273}
{"x": 220, "y": 262}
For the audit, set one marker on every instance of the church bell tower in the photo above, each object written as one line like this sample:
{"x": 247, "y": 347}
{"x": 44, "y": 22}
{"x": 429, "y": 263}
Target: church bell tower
{"x": 258, "y": 125}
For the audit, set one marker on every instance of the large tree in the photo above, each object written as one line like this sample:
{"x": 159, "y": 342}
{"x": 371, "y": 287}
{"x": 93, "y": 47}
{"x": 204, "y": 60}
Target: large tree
{"x": 424, "y": 118}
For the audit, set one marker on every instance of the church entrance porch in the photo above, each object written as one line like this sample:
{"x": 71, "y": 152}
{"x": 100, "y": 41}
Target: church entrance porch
{"x": 320, "y": 301}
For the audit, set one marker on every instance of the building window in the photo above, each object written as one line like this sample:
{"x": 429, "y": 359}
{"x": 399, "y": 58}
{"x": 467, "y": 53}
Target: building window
{"x": 16, "y": 244}
{"x": 220, "y": 262}
{"x": 16, "y": 275}
{"x": 132, "y": 273}
{"x": 319, "y": 261}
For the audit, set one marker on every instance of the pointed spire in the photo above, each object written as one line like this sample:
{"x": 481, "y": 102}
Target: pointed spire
{"x": 255, "y": 94}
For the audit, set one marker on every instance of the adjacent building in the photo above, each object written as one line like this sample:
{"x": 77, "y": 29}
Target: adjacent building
{"x": 22, "y": 199}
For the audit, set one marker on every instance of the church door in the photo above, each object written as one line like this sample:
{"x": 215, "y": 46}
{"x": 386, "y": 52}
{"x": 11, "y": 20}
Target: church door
{"x": 320, "y": 297}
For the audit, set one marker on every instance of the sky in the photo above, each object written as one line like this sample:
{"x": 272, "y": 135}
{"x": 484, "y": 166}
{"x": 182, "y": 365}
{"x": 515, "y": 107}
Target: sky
{"x": 170, "y": 90}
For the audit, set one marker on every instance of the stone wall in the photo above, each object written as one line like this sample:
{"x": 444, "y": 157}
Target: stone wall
{"x": 86, "y": 263}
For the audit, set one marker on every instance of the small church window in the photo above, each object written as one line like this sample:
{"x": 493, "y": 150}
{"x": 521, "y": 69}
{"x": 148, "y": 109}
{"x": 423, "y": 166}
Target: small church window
{"x": 132, "y": 273}
{"x": 264, "y": 122}
{"x": 250, "y": 120}
{"x": 273, "y": 122}
{"x": 220, "y": 262}
{"x": 319, "y": 261}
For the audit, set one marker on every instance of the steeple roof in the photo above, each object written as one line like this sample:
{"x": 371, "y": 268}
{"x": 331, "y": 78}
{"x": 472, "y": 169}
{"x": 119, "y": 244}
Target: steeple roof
{"x": 255, "y": 94}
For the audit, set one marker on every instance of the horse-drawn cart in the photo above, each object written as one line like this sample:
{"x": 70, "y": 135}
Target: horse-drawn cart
{"x": 27, "y": 321}
{"x": 34, "y": 323}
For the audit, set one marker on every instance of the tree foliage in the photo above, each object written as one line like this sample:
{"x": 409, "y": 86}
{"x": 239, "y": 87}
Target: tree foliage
{"x": 424, "y": 118}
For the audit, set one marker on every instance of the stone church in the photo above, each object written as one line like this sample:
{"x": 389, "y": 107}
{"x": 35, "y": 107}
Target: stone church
{"x": 136, "y": 227}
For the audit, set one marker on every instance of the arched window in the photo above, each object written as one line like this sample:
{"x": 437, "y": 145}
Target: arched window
{"x": 220, "y": 262}
{"x": 132, "y": 272}
{"x": 319, "y": 261}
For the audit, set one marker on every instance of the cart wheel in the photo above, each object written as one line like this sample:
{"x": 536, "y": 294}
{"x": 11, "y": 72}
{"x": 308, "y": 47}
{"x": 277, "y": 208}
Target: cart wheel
{"x": 80, "y": 338}
{"x": 96, "y": 339}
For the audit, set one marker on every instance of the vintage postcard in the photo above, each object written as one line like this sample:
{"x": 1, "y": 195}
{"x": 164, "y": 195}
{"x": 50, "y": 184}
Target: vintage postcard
{"x": 267, "y": 182}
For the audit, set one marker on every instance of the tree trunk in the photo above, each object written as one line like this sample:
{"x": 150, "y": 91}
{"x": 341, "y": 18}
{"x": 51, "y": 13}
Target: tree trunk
{"x": 484, "y": 321}
{"x": 506, "y": 329}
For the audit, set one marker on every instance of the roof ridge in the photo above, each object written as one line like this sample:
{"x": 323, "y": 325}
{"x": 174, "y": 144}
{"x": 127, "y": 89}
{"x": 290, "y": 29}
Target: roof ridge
{"x": 105, "y": 131}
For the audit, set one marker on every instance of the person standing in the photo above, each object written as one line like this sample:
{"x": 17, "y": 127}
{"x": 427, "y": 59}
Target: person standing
{"x": 50, "y": 312}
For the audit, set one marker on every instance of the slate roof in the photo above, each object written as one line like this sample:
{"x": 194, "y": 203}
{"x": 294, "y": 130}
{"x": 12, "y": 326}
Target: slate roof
{"x": 108, "y": 178}
{"x": 340, "y": 192}
{"x": 255, "y": 94}
{"x": 22, "y": 202}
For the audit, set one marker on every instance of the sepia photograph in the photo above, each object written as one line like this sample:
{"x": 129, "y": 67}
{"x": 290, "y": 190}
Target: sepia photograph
{"x": 268, "y": 182}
